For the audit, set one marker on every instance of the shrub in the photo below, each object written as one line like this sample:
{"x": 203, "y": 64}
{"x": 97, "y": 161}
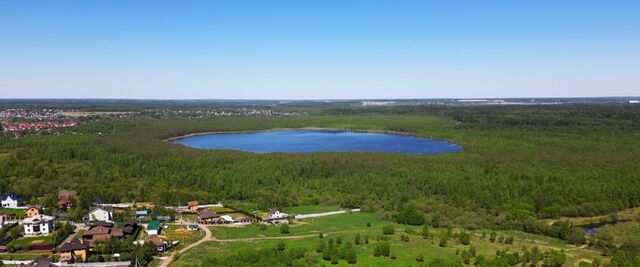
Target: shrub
{"x": 419, "y": 258}
{"x": 388, "y": 230}
{"x": 464, "y": 238}
{"x": 443, "y": 242}
{"x": 284, "y": 229}
{"x": 281, "y": 246}
{"x": 320, "y": 246}
{"x": 352, "y": 257}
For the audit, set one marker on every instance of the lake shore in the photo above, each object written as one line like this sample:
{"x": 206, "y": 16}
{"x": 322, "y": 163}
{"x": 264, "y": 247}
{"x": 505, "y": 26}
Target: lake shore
{"x": 294, "y": 129}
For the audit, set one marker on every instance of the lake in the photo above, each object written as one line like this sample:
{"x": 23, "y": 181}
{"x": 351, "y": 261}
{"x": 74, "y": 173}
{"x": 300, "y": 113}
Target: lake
{"x": 308, "y": 141}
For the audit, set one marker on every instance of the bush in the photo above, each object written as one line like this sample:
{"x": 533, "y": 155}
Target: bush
{"x": 320, "y": 246}
{"x": 425, "y": 232}
{"x": 352, "y": 257}
{"x": 464, "y": 238}
{"x": 382, "y": 249}
{"x": 284, "y": 229}
{"x": 410, "y": 215}
{"x": 388, "y": 229}
{"x": 281, "y": 246}
{"x": 419, "y": 258}
{"x": 509, "y": 240}
{"x": 443, "y": 242}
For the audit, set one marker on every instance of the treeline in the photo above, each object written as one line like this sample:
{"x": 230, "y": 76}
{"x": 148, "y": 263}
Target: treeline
{"x": 612, "y": 116}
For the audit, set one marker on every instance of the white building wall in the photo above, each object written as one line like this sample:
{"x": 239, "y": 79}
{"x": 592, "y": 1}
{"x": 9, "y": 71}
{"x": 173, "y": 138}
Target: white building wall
{"x": 10, "y": 203}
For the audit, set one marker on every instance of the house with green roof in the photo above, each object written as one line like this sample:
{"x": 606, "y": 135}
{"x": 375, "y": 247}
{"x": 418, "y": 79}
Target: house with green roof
{"x": 153, "y": 228}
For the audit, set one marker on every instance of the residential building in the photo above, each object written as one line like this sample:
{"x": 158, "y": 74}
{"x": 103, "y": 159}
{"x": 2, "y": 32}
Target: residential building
{"x": 141, "y": 213}
{"x": 275, "y": 214}
{"x": 66, "y": 198}
{"x": 193, "y": 205}
{"x": 157, "y": 242}
{"x": 69, "y": 250}
{"x": 38, "y": 225}
{"x": 208, "y": 216}
{"x": 34, "y": 211}
{"x": 10, "y": 200}
{"x": 153, "y": 228}
{"x": 100, "y": 214}
{"x": 64, "y": 203}
{"x": 67, "y": 194}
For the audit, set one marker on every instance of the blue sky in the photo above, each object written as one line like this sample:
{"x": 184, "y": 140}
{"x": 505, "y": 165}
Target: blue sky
{"x": 325, "y": 49}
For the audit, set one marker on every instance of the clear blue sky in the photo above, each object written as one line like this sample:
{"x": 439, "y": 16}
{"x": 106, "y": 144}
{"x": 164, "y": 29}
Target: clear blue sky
{"x": 324, "y": 49}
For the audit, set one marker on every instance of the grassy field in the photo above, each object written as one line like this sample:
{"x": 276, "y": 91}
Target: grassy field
{"x": 305, "y": 235}
{"x": 180, "y": 233}
{"x": 336, "y": 223}
{"x": 26, "y": 241}
{"x": 222, "y": 209}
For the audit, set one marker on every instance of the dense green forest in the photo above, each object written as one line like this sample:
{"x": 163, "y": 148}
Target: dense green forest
{"x": 519, "y": 163}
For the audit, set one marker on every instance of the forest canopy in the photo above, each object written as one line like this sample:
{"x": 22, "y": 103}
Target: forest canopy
{"x": 518, "y": 163}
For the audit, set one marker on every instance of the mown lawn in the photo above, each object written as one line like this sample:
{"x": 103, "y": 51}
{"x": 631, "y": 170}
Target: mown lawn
{"x": 26, "y": 241}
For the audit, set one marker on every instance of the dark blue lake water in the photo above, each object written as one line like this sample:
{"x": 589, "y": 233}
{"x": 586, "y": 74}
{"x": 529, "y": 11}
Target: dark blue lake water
{"x": 307, "y": 141}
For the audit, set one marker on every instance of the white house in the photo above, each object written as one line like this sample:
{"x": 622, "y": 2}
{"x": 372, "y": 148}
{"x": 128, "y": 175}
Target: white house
{"x": 275, "y": 214}
{"x": 10, "y": 200}
{"x": 38, "y": 225}
{"x": 100, "y": 214}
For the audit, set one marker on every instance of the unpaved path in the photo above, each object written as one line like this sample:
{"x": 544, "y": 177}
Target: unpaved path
{"x": 207, "y": 237}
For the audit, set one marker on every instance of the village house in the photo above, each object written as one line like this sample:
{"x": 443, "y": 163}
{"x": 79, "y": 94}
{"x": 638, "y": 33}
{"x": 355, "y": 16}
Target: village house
{"x": 101, "y": 231}
{"x": 64, "y": 204}
{"x": 141, "y": 213}
{"x": 34, "y": 211}
{"x": 69, "y": 250}
{"x": 38, "y": 225}
{"x": 275, "y": 214}
{"x": 193, "y": 205}
{"x": 66, "y": 198}
{"x": 10, "y": 200}
{"x": 100, "y": 214}
{"x": 208, "y": 216}
{"x": 67, "y": 194}
{"x": 157, "y": 242}
{"x": 97, "y": 233}
{"x": 129, "y": 228}
{"x": 153, "y": 228}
